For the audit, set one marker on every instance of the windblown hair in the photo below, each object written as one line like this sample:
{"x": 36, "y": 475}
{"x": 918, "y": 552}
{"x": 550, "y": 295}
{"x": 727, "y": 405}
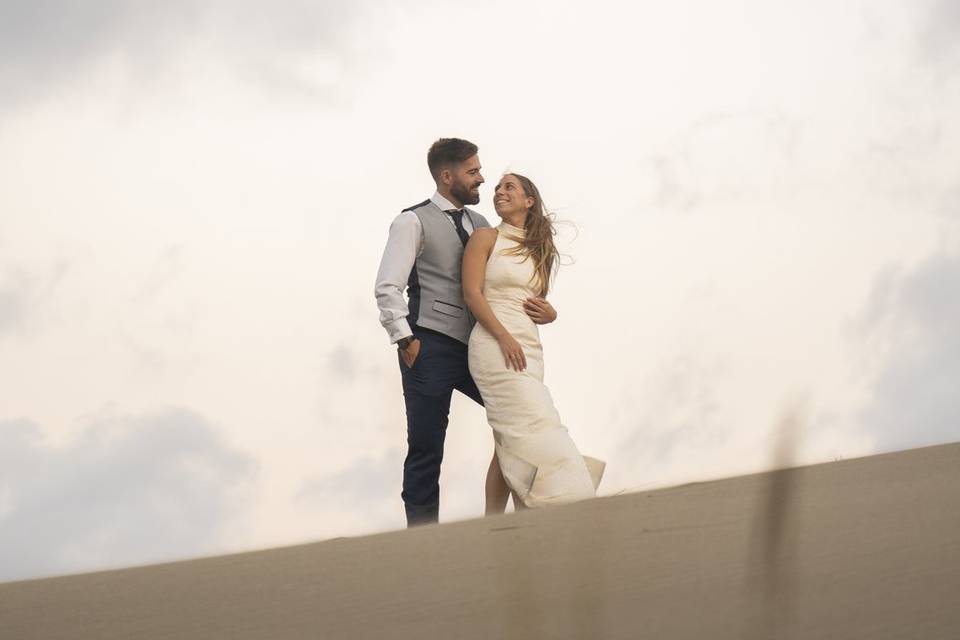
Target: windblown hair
{"x": 537, "y": 242}
{"x": 447, "y": 152}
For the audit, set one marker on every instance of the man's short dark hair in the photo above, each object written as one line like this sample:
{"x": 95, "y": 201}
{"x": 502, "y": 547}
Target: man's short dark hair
{"x": 447, "y": 152}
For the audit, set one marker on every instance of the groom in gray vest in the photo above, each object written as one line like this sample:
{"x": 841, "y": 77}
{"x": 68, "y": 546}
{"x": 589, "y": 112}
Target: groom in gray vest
{"x": 423, "y": 255}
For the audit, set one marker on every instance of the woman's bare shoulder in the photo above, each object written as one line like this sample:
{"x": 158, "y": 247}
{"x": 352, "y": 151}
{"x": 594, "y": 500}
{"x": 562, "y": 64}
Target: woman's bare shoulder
{"x": 484, "y": 236}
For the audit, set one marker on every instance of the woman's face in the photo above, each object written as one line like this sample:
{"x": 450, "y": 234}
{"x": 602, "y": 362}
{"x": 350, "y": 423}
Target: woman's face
{"x": 509, "y": 198}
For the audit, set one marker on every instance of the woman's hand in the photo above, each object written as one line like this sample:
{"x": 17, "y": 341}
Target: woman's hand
{"x": 539, "y": 310}
{"x": 512, "y": 352}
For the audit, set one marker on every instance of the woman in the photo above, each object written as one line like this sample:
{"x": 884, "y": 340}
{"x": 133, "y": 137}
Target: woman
{"x": 504, "y": 269}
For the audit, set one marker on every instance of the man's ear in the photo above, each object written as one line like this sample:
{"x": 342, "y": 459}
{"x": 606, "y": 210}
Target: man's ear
{"x": 446, "y": 177}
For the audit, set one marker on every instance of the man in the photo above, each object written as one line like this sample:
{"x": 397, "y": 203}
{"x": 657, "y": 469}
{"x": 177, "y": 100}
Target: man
{"x": 423, "y": 254}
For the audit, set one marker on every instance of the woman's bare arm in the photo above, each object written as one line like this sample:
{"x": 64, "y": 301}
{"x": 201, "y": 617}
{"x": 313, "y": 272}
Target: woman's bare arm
{"x": 474, "y": 272}
{"x": 475, "y": 258}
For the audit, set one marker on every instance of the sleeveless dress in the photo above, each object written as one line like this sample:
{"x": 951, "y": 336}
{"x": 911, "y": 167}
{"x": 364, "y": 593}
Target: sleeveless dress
{"x": 538, "y": 458}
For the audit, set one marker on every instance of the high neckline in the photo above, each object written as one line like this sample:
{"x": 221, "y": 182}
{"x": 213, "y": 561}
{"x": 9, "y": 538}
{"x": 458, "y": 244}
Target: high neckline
{"x": 511, "y": 228}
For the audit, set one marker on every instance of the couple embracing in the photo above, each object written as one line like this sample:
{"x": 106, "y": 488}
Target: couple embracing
{"x": 475, "y": 297}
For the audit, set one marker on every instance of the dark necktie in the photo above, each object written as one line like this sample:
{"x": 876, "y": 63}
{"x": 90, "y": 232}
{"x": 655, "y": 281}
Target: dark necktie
{"x": 457, "y": 215}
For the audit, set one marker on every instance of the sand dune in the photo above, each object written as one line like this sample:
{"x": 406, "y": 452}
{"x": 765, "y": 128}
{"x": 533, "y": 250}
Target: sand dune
{"x": 865, "y": 548}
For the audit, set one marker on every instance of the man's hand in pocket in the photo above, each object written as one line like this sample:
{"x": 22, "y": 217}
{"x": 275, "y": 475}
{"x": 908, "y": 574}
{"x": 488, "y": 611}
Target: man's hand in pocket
{"x": 410, "y": 354}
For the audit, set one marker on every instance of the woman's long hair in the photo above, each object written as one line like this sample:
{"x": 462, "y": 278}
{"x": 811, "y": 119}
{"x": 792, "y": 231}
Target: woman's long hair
{"x": 537, "y": 242}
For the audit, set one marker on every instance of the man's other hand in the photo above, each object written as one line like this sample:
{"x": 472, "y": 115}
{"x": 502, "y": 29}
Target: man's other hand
{"x": 539, "y": 310}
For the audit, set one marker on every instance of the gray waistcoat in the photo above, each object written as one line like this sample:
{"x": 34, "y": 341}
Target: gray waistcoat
{"x": 434, "y": 287}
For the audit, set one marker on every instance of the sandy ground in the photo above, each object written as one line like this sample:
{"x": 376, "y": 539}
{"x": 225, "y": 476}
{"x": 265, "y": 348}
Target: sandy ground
{"x": 865, "y": 548}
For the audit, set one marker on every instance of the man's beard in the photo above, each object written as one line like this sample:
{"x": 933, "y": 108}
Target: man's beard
{"x": 462, "y": 193}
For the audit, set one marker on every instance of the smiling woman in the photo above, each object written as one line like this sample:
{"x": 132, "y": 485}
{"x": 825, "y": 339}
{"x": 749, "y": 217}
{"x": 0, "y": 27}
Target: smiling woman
{"x": 504, "y": 270}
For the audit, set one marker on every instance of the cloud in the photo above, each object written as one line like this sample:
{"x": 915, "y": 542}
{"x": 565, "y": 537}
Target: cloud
{"x": 129, "y": 489}
{"x": 675, "y": 415}
{"x": 913, "y": 318}
{"x": 49, "y": 42}
{"x": 342, "y": 363}
{"x": 305, "y": 47}
{"x": 722, "y": 157}
{"x": 940, "y": 37}
{"x": 13, "y": 303}
{"x": 368, "y": 491}
{"x": 949, "y": 206}
{"x": 165, "y": 269}
{"x": 22, "y": 296}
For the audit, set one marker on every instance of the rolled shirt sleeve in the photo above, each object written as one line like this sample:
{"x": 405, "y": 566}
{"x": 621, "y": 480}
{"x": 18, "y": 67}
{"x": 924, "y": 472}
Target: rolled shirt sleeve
{"x": 403, "y": 246}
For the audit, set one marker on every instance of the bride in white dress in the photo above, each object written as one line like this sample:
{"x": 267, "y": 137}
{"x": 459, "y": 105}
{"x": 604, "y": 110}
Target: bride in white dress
{"x": 505, "y": 269}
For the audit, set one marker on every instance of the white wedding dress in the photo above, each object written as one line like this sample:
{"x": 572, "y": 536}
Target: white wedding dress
{"x": 538, "y": 458}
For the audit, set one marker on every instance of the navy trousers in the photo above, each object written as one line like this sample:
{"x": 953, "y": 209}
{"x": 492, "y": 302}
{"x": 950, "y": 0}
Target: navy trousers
{"x": 440, "y": 367}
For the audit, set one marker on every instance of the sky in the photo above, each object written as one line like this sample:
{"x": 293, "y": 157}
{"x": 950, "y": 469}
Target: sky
{"x": 761, "y": 223}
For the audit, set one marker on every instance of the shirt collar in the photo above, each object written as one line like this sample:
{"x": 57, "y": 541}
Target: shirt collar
{"x": 442, "y": 202}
